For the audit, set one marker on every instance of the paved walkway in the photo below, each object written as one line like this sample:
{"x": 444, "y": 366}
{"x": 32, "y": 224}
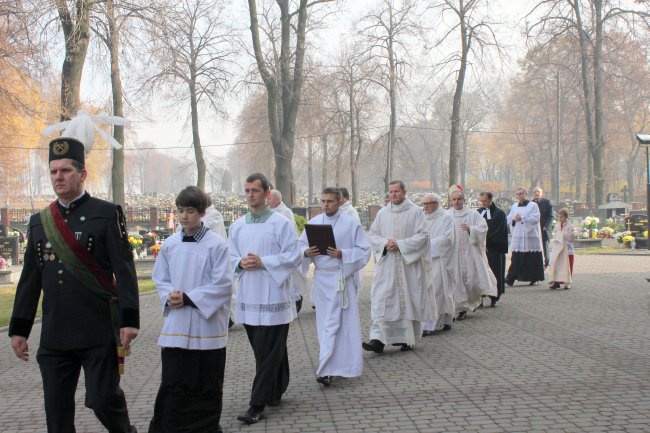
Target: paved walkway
{"x": 542, "y": 361}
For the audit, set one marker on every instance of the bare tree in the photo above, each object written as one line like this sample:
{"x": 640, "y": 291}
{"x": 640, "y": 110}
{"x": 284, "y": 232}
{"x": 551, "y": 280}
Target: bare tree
{"x": 283, "y": 76}
{"x": 74, "y": 17}
{"x": 588, "y": 20}
{"x": 387, "y": 32}
{"x": 477, "y": 34}
{"x": 193, "y": 55}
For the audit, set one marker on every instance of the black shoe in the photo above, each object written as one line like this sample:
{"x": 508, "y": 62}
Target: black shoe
{"x": 555, "y": 286}
{"x": 493, "y": 302}
{"x": 532, "y": 283}
{"x": 219, "y": 429}
{"x": 403, "y": 347}
{"x": 275, "y": 402}
{"x": 510, "y": 283}
{"x": 325, "y": 380}
{"x": 462, "y": 315}
{"x": 427, "y": 333}
{"x": 251, "y": 416}
{"x": 373, "y": 346}
{"x": 446, "y": 328}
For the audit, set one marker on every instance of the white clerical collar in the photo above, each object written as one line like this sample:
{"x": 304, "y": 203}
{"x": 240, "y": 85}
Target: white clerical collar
{"x": 485, "y": 213}
{"x": 72, "y": 201}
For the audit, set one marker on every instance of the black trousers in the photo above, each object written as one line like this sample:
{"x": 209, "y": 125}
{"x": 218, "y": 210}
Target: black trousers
{"x": 269, "y": 345}
{"x": 497, "y": 262}
{"x": 190, "y": 396}
{"x": 526, "y": 267}
{"x": 60, "y": 371}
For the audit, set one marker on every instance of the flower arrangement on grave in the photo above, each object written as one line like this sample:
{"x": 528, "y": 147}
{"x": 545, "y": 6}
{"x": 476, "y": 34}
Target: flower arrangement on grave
{"x": 645, "y": 234}
{"x": 620, "y": 235}
{"x": 4, "y": 264}
{"x": 627, "y": 240}
{"x": 155, "y": 249}
{"x": 606, "y": 233}
{"x": 135, "y": 242}
{"x": 590, "y": 223}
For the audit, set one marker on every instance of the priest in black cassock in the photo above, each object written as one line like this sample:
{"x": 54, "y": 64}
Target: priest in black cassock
{"x": 496, "y": 245}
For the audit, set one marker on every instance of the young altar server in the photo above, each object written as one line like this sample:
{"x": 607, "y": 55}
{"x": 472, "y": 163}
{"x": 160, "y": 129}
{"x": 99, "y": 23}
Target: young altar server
{"x": 336, "y": 282}
{"x": 562, "y": 254}
{"x": 194, "y": 281}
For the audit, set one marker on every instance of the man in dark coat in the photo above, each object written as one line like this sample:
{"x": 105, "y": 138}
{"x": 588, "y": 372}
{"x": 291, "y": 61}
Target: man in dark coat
{"x": 545, "y": 220}
{"x": 496, "y": 244}
{"x": 78, "y": 254}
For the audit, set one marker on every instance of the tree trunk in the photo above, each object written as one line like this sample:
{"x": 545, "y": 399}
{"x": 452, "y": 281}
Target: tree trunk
{"x": 77, "y": 37}
{"x": 310, "y": 172}
{"x": 584, "y": 74}
{"x": 454, "y": 153}
{"x": 392, "y": 95}
{"x": 196, "y": 139}
{"x": 599, "y": 126}
{"x": 463, "y": 161}
{"x": 579, "y": 167}
{"x": 323, "y": 178}
{"x": 117, "y": 169}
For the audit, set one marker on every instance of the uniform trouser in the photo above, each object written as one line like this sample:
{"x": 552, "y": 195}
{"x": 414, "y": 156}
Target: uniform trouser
{"x": 497, "y": 262}
{"x": 269, "y": 345}
{"x": 60, "y": 371}
{"x": 545, "y": 248}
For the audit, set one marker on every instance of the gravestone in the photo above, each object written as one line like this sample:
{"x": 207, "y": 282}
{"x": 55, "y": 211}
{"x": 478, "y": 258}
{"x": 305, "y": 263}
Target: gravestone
{"x": 9, "y": 248}
{"x": 637, "y": 224}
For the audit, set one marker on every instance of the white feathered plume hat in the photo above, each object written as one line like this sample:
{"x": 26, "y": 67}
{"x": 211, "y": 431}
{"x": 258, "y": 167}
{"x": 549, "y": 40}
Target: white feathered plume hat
{"x": 78, "y": 136}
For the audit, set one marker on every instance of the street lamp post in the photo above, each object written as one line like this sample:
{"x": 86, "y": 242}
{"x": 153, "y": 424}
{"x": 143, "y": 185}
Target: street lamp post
{"x": 644, "y": 141}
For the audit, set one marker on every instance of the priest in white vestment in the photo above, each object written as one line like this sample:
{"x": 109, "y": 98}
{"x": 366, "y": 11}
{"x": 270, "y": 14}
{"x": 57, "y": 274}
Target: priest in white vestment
{"x": 440, "y": 228}
{"x": 335, "y": 290}
{"x": 402, "y": 293}
{"x": 526, "y": 259}
{"x": 473, "y": 277}
{"x": 264, "y": 251}
{"x": 297, "y": 279}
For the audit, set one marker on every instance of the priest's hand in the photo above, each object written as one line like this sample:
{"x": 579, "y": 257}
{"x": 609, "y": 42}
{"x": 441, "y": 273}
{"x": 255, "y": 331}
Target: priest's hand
{"x": 517, "y": 217}
{"x": 391, "y": 245}
{"x": 312, "y": 251}
{"x": 127, "y": 335}
{"x": 20, "y": 347}
{"x": 334, "y": 252}
{"x": 464, "y": 227}
{"x": 250, "y": 261}
{"x": 175, "y": 299}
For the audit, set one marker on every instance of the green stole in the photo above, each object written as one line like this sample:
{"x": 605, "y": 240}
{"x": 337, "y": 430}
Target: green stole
{"x": 80, "y": 263}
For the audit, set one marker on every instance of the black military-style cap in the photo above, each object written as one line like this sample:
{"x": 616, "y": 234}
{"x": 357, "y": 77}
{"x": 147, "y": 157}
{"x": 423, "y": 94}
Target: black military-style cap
{"x": 66, "y": 147}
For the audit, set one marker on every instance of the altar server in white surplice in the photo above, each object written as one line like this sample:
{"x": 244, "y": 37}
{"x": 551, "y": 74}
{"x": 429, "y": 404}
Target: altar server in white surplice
{"x": 526, "y": 260}
{"x": 346, "y": 207}
{"x": 264, "y": 250}
{"x": 473, "y": 277}
{"x": 402, "y": 292}
{"x": 440, "y": 228}
{"x": 194, "y": 282}
{"x": 335, "y": 290}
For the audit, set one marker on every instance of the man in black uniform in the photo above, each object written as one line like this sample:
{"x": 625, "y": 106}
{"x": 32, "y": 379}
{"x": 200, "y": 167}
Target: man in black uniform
{"x": 496, "y": 245}
{"x": 90, "y": 296}
{"x": 545, "y": 220}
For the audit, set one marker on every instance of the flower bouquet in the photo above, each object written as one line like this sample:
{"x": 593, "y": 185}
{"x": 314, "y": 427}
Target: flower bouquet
{"x": 605, "y": 233}
{"x": 155, "y": 249}
{"x": 627, "y": 241}
{"x": 4, "y": 264}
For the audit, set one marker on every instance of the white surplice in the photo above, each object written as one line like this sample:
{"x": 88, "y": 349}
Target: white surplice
{"x": 297, "y": 279}
{"x": 265, "y": 295}
{"x": 440, "y": 227}
{"x": 202, "y": 271}
{"x": 563, "y": 237}
{"x": 349, "y": 210}
{"x": 334, "y": 293}
{"x": 402, "y": 291}
{"x": 526, "y": 234}
{"x": 472, "y": 274}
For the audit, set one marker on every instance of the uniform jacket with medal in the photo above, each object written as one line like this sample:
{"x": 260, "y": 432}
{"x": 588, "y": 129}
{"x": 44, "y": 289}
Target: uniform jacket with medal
{"x": 73, "y": 316}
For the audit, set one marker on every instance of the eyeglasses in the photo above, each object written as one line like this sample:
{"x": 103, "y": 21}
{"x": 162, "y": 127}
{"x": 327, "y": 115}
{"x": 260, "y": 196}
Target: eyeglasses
{"x": 428, "y": 202}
